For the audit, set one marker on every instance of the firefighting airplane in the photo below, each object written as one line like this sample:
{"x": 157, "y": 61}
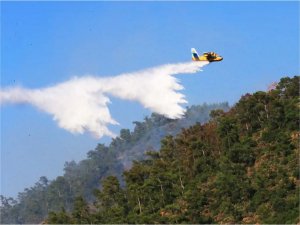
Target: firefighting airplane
{"x": 207, "y": 56}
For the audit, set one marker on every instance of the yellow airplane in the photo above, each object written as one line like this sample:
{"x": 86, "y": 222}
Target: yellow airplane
{"x": 207, "y": 56}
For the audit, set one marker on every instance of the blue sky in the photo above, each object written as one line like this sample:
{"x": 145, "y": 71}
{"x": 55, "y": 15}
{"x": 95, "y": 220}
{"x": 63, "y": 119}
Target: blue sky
{"x": 44, "y": 43}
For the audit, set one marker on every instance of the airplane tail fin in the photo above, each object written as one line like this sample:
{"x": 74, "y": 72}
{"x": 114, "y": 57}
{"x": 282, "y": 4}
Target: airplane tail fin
{"x": 195, "y": 55}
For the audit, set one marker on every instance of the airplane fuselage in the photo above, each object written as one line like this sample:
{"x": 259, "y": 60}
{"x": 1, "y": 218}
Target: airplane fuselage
{"x": 207, "y": 56}
{"x": 202, "y": 58}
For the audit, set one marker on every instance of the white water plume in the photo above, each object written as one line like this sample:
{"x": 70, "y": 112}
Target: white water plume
{"x": 81, "y": 104}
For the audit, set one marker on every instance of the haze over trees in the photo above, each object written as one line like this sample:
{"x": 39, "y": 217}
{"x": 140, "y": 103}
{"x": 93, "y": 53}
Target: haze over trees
{"x": 240, "y": 167}
{"x": 80, "y": 179}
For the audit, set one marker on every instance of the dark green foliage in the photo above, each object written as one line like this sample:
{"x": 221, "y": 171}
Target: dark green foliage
{"x": 80, "y": 179}
{"x": 241, "y": 167}
{"x": 59, "y": 218}
{"x": 80, "y": 213}
{"x": 111, "y": 202}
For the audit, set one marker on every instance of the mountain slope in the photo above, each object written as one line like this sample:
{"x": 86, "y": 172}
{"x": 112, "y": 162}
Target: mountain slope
{"x": 241, "y": 167}
{"x": 80, "y": 179}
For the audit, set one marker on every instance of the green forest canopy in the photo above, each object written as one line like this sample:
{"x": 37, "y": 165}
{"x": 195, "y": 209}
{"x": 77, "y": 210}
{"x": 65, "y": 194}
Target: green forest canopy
{"x": 80, "y": 179}
{"x": 240, "y": 167}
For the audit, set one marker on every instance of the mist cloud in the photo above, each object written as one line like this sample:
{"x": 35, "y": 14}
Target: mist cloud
{"x": 81, "y": 104}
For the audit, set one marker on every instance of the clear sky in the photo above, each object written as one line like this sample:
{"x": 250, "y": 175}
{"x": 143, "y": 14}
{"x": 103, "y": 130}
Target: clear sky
{"x": 46, "y": 43}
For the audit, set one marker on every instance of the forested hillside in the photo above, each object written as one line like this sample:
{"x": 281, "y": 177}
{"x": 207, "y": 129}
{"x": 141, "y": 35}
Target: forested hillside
{"x": 80, "y": 179}
{"x": 241, "y": 167}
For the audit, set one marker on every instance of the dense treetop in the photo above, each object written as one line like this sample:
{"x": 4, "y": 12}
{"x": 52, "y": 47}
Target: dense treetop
{"x": 80, "y": 179}
{"x": 241, "y": 167}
